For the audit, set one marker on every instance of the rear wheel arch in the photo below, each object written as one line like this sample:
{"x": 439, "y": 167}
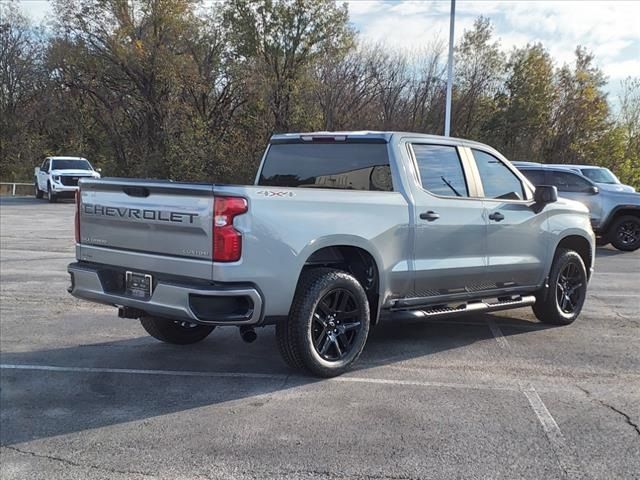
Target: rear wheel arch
{"x": 355, "y": 260}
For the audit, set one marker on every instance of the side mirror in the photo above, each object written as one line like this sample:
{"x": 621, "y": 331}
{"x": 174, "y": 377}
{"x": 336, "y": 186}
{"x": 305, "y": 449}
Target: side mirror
{"x": 99, "y": 170}
{"x": 545, "y": 194}
{"x": 593, "y": 190}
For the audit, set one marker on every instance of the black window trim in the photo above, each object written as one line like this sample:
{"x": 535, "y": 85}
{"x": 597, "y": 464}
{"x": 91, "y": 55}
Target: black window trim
{"x": 470, "y": 184}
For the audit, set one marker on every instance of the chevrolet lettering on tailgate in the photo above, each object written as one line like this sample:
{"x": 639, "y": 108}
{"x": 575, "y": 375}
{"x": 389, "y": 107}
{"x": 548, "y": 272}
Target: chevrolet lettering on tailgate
{"x": 139, "y": 213}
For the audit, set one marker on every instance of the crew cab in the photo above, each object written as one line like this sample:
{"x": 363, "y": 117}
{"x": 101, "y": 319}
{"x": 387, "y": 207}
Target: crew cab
{"x": 339, "y": 231}
{"x": 58, "y": 177}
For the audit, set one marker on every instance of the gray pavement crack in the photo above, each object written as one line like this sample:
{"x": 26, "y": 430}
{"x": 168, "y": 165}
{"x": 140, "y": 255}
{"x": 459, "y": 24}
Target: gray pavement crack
{"x": 66, "y": 461}
{"x": 624, "y": 317}
{"x": 627, "y": 418}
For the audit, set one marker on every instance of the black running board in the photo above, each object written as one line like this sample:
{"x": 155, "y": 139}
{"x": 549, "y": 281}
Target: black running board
{"x": 474, "y": 307}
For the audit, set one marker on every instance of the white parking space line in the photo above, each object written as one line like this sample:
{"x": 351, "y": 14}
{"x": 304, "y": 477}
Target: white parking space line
{"x": 617, "y": 274}
{"x": 135, "y": 371}
{"x": 567, "y": 460}
{"x": 613, "y": 295}
{"x": 259, "y": 376}
{"x": 497, "y": 334}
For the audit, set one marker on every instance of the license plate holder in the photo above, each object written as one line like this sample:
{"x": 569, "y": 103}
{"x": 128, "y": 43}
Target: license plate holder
{"x": 138, "y": 285}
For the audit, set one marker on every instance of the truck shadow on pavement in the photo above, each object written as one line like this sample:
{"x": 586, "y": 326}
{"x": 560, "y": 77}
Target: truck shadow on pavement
{"x": 221, "y": 373}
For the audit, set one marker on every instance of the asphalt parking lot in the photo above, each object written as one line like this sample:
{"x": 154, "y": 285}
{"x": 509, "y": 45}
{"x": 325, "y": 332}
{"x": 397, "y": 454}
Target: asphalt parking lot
{"x": 87, "y": 395}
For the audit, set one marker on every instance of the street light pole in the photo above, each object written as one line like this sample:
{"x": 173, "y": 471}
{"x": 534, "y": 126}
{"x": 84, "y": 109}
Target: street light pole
{"x": 447, "y": 115}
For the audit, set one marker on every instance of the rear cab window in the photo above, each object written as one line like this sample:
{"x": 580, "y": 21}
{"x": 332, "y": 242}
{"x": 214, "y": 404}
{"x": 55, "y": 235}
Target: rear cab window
{"x": 336, "y": 165}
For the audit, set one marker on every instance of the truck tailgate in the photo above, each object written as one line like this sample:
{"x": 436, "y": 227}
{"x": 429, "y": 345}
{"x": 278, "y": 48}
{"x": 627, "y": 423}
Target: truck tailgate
{"x": 158, "y": 218}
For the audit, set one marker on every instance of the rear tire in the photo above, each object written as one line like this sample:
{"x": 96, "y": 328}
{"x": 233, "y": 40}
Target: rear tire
{"x": 625, "y": 233}
{"x": 328, "y": 324}
{"x": 38, "y": 193}
{"x": 175, "y": 331}
{"x": 562, "y": 302}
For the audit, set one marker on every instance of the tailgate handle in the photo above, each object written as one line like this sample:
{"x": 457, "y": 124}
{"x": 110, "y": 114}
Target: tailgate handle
{"x": 136, "y": 191}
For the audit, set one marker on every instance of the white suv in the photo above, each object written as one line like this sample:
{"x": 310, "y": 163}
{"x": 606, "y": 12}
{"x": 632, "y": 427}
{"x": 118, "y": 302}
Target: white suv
{"x": 59, "y": 176}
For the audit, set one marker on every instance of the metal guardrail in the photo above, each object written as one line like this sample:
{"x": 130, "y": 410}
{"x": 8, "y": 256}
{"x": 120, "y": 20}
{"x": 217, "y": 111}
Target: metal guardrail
{"x": 16, "y": 188}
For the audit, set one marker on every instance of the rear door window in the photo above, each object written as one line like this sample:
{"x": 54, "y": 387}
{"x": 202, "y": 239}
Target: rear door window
{"x": 497, "y": 180}
{"x": 440, "y": 170}
{"x": 343, "y": 166}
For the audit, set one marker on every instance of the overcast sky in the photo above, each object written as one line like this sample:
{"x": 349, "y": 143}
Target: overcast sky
{"x": 610, "y": 29}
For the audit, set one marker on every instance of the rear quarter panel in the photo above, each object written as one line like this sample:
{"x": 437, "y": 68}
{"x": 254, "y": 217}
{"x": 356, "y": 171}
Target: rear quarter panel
{"x": 284, "y": 226}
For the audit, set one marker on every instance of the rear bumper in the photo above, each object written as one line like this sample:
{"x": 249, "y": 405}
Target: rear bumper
{"x": 195, "y": 302}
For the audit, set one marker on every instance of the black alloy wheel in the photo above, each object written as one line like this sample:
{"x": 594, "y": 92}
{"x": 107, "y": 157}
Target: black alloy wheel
{"x": 178, "y": 332}
{"x": 569, "y": 289}
{"x": 328, "y": 323}
{"x": 562, "y": 302}
{"x": 627, "y": 233}
{"x": 336, "y": 323}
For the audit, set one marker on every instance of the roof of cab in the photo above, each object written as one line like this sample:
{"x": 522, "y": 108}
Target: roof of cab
{"x": 362, "y": 135}
{"x": 66, "y": 158}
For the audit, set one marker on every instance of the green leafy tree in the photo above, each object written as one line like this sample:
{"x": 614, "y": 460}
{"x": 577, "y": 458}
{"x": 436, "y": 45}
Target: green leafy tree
{"x": 21, "y": 85}
{"x": 629, "y": 131}
{"x": 279, "y": 40}
{"x": 479, "y": 71}
{"x": 581, "y": 117}
{"x": 529, "y": 96}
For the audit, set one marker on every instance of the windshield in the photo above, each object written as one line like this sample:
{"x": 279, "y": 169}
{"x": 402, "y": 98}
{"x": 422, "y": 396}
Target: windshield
{"x": 70, "y": 165}
{"x": 600, "y": 175}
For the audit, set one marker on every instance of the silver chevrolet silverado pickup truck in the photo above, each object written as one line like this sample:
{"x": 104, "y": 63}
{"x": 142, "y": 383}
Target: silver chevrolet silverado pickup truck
{"x": 339, "y": 231}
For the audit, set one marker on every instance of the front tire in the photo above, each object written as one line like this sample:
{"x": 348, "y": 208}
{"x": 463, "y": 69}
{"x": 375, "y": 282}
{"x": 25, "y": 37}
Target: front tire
{"x": 51, "y": 196}
{"x": 175, "y": 331}
{"x": 328, "y": 324}
{"x": 625, "y": 233}
{"x": 563, "y": 301}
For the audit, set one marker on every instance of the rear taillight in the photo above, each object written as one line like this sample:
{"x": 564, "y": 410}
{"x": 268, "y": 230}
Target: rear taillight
{"x": 227, "y": 241}
{"x": 77, "y": 219}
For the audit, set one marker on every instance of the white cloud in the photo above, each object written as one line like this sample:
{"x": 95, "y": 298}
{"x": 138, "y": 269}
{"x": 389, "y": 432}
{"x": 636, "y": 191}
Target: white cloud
{"x": 623, "y": 69}
{"x": 609, "y": 29}
{"x": 364, "y": 7}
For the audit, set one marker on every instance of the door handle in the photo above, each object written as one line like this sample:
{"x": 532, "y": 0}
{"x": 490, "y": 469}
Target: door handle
{"x": 429, "y": 216}
{"x": 497, "y": 216}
